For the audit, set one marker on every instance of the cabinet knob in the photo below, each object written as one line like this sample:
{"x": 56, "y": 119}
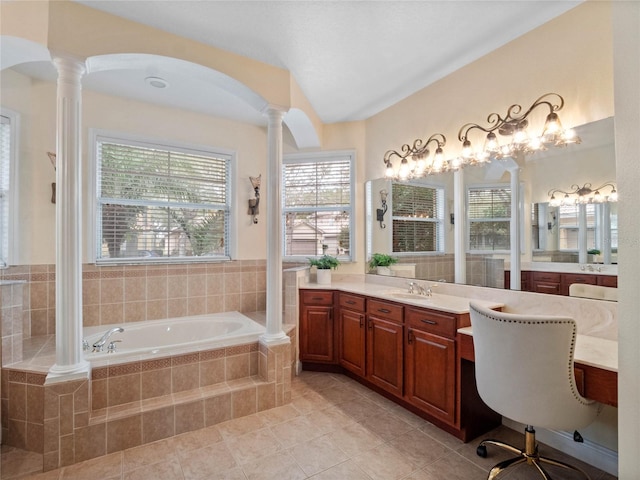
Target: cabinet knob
{"x": 430, "y": 322}
{"x": 384, "y": 310}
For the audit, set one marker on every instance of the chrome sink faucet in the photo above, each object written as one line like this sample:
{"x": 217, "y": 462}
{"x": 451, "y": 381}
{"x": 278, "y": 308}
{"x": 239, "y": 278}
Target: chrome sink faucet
{"x": 99, "y": 345}
{"x": 411, "y": 286}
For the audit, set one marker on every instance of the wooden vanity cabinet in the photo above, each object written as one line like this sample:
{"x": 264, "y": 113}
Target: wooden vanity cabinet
{"x": 352, "y": 333}
{"x": 546, "y": 282}
{"x": 570, "y": 278}
{"x": 558, "y": 283}
{"x": 430, "y": 362}
{"x": 317, "y": 338}
{"x": 384, "y": 346}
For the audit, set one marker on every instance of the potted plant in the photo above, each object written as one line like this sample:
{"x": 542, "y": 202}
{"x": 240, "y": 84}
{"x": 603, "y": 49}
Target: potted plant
{"x": 323, "y": 265}
{"x": 380, "y": 262}
{"x": 594, "y": 255}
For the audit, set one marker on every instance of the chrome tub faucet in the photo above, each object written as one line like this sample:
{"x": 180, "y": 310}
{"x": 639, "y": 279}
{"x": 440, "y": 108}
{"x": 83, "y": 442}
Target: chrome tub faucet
{"x": 99, "y": 345}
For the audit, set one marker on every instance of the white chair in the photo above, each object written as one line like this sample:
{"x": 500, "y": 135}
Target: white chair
{"x": 593, "y": 291}
{"x": 524, "y": 371}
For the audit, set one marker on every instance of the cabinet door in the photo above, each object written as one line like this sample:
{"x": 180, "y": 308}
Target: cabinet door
{"x": 316, "y": 334}
{"x": 384, "y": 354}
{"x": 430, "y": 365}
{"x": 352, "y": 341}
{"x": 546, "y": 282}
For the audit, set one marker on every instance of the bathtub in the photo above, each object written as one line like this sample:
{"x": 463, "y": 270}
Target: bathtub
{"x": 156, "y": 338}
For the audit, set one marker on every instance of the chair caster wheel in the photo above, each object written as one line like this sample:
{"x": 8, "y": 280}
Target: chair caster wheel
{"x": 481, "y": 451}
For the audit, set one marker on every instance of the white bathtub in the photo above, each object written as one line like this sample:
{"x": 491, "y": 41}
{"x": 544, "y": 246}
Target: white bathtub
{"x": 172, "y": 336}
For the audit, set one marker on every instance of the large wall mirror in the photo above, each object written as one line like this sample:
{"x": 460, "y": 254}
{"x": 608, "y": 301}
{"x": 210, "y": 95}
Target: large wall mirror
{"x": 413, "y": 221}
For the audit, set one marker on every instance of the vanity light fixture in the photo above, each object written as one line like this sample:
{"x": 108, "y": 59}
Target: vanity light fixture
{"x": 513, "y": 126}
{"x": 585, "y": 194}
{"x": 414, "y": 161}
{"x": 381, "y": 211}
{"x": 255, "y": 202}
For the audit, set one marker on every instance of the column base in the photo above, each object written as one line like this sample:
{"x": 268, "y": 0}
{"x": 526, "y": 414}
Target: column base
{"x": 66, "y": 373}
{"x": 279, "y": 338}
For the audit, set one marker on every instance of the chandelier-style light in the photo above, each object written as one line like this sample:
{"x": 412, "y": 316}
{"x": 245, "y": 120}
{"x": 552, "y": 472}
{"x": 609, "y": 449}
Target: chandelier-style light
{"x": 517, "y": 140}
{"x": 414, "y": 160}
{"x": 584, "y": 194}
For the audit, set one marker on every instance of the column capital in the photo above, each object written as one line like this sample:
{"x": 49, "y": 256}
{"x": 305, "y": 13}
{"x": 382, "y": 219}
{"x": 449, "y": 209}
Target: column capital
{"x": 274, "y": 111}
{"x": 69, "y": 63}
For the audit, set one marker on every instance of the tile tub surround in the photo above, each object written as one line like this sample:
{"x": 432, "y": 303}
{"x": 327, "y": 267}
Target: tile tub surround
{"x": 120, "y": 294}
{"x": 11, "y": 320}
{"x": 135, "y": 403}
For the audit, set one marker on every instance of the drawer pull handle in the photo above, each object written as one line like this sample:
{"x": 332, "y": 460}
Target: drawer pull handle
{"x": 430, "y": 322}
{"x": 350, "y": 302}
{"x": 317, "y": 298}
{"x": 384, "y": 310}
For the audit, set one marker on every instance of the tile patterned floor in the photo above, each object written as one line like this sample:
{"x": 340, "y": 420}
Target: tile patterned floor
{"x": 334, "y": 429}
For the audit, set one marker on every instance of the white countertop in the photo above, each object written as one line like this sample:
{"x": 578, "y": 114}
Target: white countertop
{"x": 438, "y": 301}
{"x": 596, "y": 269}
{"x": 594, "y": 351}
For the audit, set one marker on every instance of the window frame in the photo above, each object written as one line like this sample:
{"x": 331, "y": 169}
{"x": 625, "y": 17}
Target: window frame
{"x": 146, "y": 141}
{"x": 440, "y": 223}
{"x": 11, "y": 242}
{"x": 503, "y": 186}
{"x": 312, "y": 158}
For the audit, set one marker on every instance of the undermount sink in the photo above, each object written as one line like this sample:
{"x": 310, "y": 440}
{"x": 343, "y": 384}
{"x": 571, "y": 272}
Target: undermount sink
{"x": 409, "y": 296}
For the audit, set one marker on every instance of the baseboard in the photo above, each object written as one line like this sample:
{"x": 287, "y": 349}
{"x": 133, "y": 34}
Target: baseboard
{"x": 588, "y": 452}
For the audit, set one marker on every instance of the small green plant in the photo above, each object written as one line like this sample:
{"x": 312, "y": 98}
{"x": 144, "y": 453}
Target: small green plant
{"x": 381, "y": 260}
{"x": 325, "y": 262}
{"x": 593, "y": 251}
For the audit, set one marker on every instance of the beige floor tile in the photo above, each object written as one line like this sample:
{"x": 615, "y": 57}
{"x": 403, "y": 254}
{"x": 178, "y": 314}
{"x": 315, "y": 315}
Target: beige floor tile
{"x": 207, "y": 462}
{"x": 317, "y": 455}
{"x": 194, "y": 440}
{"x": 281, "y": 466}
{"x": 386, "y": 426}
{"x": 443, "y": 437}
{"x": 168, "y": 470}
{"x": 419, "y": 447}
{"x": 355, "y": 439}
{"x": 329, "y": 419}
{"x": 360, "y": 408}
{"x": 345, "y": 471}
{"x": 156, "y": 452}
{"x": 277, "y": 415}
{"x": 101, "y": 467}
{"x": 295, "y": 431}
{"x": 240, "y": 426}
{"x": 309, "y": 402}
{"x": 454, "y": 467}
{"x": 338, "y": 394}
{"x": 253, "y": 445}
{"x": 385, "y": 463}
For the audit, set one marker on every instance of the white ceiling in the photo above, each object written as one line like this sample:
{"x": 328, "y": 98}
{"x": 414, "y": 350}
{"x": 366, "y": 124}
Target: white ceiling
{"x": 352, "y": 59}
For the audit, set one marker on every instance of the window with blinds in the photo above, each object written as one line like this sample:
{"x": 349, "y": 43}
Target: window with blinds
{"x": 417, "y": 217}
{"x": 317, "y": 205}
{"x": 568, "y": 227}
{"x": 161, "y": 202}
{"x": 6, "y": 145}
{"x": 489, "y": 217}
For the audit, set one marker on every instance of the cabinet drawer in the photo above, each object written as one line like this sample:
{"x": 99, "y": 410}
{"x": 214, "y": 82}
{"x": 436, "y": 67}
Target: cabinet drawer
{"x": 316, "y": 297}
{"x": 430, "y": 321}
{"x": 546, "y": 277}
{"x": 608, "y": 280}
{"x": 352, "y": 302}
{"x": 570, "y": 278}
{"x": 385, "y": 310}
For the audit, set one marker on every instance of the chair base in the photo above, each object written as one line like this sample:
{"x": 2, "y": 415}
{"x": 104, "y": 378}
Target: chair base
{"x": 529, "y": 455}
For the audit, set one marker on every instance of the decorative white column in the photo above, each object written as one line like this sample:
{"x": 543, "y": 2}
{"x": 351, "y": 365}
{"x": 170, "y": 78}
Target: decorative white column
{"x": 516, "y": 220}
{"x": 582, "y": 233}
{"x": 69, "y": 361}
{"x": 459, "y": 228}
{"x": 274, "y": 333}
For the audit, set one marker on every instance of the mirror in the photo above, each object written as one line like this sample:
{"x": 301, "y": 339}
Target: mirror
{"x": 428, "y": 216}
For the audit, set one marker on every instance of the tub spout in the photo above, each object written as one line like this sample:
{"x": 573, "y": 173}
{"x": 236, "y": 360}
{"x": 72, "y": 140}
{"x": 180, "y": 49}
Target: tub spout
{"x": 99, "y": 345}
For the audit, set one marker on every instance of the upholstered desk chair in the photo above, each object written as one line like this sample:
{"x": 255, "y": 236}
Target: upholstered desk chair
{"x": 524, "y": 371}
{"x": 593, "y": 291}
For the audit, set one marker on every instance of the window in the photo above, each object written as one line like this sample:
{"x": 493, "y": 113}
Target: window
{"x": 317, "y": 205}
{"x": 417, "y": 213}
{"x": 159, "y": 202}
{"x": 8, "y": 135}
{"x": 568, "y": 223}
{"x": 489, "y": 213}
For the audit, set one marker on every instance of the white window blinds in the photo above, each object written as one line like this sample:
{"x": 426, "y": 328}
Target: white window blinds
{"x": 489, "y": 214}
{"x": 317, "y": 205}
{"x": 417, "y": 216}
{"x": 161, "y": 202}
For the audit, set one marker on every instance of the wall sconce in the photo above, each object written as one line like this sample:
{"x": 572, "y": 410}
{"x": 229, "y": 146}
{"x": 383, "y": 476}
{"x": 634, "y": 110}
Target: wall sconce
{"x": 52, "y": 159}
{"x": 514, "y": 125}
{"x": 585, "y": 194}
{"x": 381, "y": 211}
{"x": 255, "y": 202}
{"x": 414, "y": 162}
